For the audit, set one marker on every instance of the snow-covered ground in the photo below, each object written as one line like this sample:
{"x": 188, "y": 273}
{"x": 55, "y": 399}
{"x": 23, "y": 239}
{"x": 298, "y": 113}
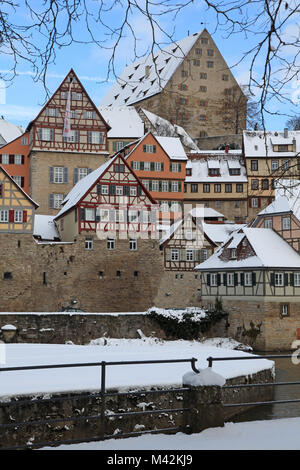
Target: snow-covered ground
{"x": 134, "y": 376}
{"x": 279, "y": 434}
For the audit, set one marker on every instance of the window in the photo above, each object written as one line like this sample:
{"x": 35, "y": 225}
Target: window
{"x": 254, "y": 165}
{"x": 119, "y": 215}
{"x": 214, "y": 280}
{"x": 265, "y": 184}
{"x": 228, "y": 188}
{"x": 5, "y": 159}
{"x": 73, "y": 137}
{"x": 203, "y": 76}
{"x": 104, "y": 215}
{"x": 155, "y": 185}
{"x": 210, "y": 52}
{"x": 58, "y": 176}
{"x": 56, "y": 200}
{"x": 236, "y": 204}
{"x": 119, "y": 190}
{"x": 225, "y": 77}
{"x": 82, "y": 172}
{"x": 233, "y": 253}
{"x": 254, "y": 202}
{"x": 89, "y": 243}
{"x": 285, "y": 164}
{"x": 132, "y": 215}
{"x": 90, "y": 114}
{"x": 111, "y": 243}
{"x": 234, "y": 171}
{"x": 136, "y": 274}
{"x": 189, "y": 255}
{"x": 90, "y": 214}
{"x": 132, "y": 191}
{"x": 18, "y": 180}
{"x": 283, "y": 148}
{"x": 297, "y": 279}
{"x": 24, "y": 141}
{"x": 7, "y": 275}
{"x": 203, "y": 89}
{"x": 147, "y": 166}
{"x": 275, "y": 165}
{"x": 51, "y": 112}
{"x": 175, "y": 167}
{"x": 165, "y": 186}
{"x": 104, "y": 189}
{"x": 286, "y": 223}
{"x": 230, "y": 279}
{"x": 210, "y": 64}
{"x": 164, "y": 206}
{"x": 204, "y": 40}
{"x": 184, "y": 73}
{"x": 202, "y": 117}
{"x": 239, "y": 188}
{"x": 268, "y": 223}
{"x": 174, "y": 186}
{"x": 3, "y": 215}
{"x": 218, "y": 204}
{"x": 183, "y": 87}
{"x": 202, "y": 103}
{"x": 174, "y": 254}
{"x": 95, "y": 137}
{"x": 45, "y": 134}
{"x": 196, "y": 62}
{"x": 213, "y": 172}
{"x": 132, "y": 244}
{"x": 135, "y": 165}
{"x": 158, "y": 166}
{"x": 248, "y": 279}
{"x": 217, "y": 188}
{"x": 76, "y": 96}
{"x": 254, "y": 184}
{"x": 18, "y": 159}
{"x": 204, "y": 254}
{"x": 278, "y": 279}
{"x": 149, "y": 148}
{"x": 118, "y": 273}
{"x": 198, "y": 51}
{"x": 146, "y": 183}
{"x": 284, "y": 310}
{"x": 206, "y": 188}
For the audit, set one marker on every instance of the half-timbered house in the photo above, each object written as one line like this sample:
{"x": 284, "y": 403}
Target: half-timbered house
{"x": 68, "y": 140}
{"x": 14, "y": 157}
{"x": 256, "y": 273}
{"x": 16, "y": 207}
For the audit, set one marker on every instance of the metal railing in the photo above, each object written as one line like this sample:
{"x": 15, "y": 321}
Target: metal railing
{"x": 265, "y": 384}
{"x": 102, "y": 416}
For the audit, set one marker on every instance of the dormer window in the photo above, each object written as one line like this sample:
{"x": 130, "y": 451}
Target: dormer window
{"x": 188, "y": 172}
{"x": 214, "y": 172}
{"x": 283, "y": 148}
{"x": 234, "y": 171}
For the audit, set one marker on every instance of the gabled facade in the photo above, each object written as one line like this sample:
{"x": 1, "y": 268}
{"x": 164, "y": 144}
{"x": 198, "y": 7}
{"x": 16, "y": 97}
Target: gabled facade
{"x": 8, "y": 131}
{"x": 185, "y": 245}
{"x": 256, "y": 274}
{"x": 16, "y": 207}
{"x": 269, "y": 156}
{"x": 110, "y": 200}
{"x": 187, "y": 83}
{"x": 14, "y": 158}
{"x": 58, "y": 162}
{"x": 160, "y": 164}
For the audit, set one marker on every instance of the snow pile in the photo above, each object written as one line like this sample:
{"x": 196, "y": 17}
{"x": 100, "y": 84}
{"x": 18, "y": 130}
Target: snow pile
{"x": 8, "y": 328}
{"x": 205, "y": 377}
{"x": 121, "y": 342}
{"x": 226, "y": 343}
{"x": 194, "y": 313}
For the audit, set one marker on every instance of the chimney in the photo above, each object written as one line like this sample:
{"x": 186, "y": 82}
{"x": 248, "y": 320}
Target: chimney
{"x": 285, "y": 132}
{"x": 294, "y": 145}
{"x": 226, "y": 149}
{"x": 147, "y": 71}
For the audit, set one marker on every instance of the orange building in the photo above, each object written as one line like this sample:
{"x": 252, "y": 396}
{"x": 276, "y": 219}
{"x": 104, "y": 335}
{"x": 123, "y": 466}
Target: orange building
{"x": 14, "y": 158}
{"x": 159, "y": 162}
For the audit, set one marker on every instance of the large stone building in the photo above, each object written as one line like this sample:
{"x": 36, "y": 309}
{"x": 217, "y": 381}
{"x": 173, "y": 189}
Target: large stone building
{"x": 187, "y": 83}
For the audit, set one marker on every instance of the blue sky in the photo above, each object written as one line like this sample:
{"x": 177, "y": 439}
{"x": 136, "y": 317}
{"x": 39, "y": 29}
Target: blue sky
{"x": 24, "y": 97}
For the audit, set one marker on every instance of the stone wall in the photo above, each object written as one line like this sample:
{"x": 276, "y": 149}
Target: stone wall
{"x": 215, "y": 141}
{"x": 84, "y": 404}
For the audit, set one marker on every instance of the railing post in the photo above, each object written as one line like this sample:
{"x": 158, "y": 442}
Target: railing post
{"x": 103, "y": 372}
{"x": 210, "y": 361}
{"x": 193, "y": 361}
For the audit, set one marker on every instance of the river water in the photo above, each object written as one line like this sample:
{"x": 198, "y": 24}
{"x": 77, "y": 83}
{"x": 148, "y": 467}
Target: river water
{"x": 286, "y": 371}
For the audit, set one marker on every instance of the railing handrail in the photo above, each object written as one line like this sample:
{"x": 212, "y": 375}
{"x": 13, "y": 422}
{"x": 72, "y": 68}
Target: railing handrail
{"x": 240, "y": 358}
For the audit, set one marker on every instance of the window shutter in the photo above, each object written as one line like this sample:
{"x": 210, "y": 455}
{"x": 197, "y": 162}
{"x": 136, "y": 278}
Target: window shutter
{"x": 56, "y": 112}
{"x": 11, "y": 159}
{"x": 171, "y": 167}
{"x": 272, "y": 279}
{"x": 76, "y": 136}
{"x": 286, "y": 279}
{"x": 153, "y": 217}
{"x": 90, "y": 137}
{"x": 179, "y": 187}
{"x": 139, "y": 191}
{"x": 75, "y": 175}
{"x": 115, "y": 148}
{"x": 112, "y": 190}
{"x": 242, "y": 279}
{"x": 150, "y": 185}
{"x": 152, "y": 166}
{"x": 98, "y": 187}
{"x": 292, "y": 279}
{"x": 208, "y": 279}
{"x": 162, "y": 167}
{"x": 179, "y": 167}
{"x": 51, "y": 174}
{"x": 218, "y": 279}
{"x": 126, "y": 190}
{"x": 159, "y": 186}
{"x": 24, "y": 216}
{"x": 51, "y": 201}
{"x": 254, "y": 279}
{"x": 131, "y": 164}
{"x": 52, "y": 135}
{"x": 111, "y": 215}
{"x": 90, "y": 170}
{"x": 23, "y": 159}
{"x": 22, "y": 181}
{"x": 258, "y": 202}
{"x": 249, "y": 203}
{"x": 235, "y": 276}
{"x": 82, "y": 213}
{"x": 40, "y": 133}
{"x": 11, "y": 215}
{"x": 170, "y": 186}
{"x": 141, "y": 165}
{"x": 65, "y": 174}
{"x": 144, "y": 148}
{"x": 154, "y": 148}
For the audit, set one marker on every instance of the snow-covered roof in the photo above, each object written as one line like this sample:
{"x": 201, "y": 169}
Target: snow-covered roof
{"x": 280, "y": 204}
{"x": 81, "y": 187}
{"x": 206, "y": 212}
{"x": 260, "y": 144}
{"x": 291, "y": 190}
{"x": 124, "y": 121}
{"x": 219, "y": 233}
{"x": 173, "y": 147}
{"x": 164, "y": 127}
{"x": 45, "y": 228}
{"x": 149, "y": 75}
{"x": 271, "y": 251}
{"x": 200, "y": 171}
{"x": 9, "y": 131}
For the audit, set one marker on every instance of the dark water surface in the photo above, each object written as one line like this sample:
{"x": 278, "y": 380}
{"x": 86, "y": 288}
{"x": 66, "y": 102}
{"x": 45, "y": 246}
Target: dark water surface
{"x": 286, "y": 371}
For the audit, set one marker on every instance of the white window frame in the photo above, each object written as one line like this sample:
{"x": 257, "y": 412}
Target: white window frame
{"x": 147, "y": 166}
{"x": 132, "y": 191}
{"x": 58, "y": 174}
{"x": 274, "y": 165}
{"x": 164, "y": 206}
{"x": 135, "y": 165}
{"x": 175, "y": 254}
{"x": 230, "y": 279}
{"x": 57, "y": 200}
{"x": 157, "y": 166}
{"x": 254, "y": 204}
{"x": 155, "y": 185}
{"x": 111, "y": 243}
{"x": 165, "y": 186}
{"x": 18, "y": 159}
{"x": 279, "y": 279}
{"x": 104, "y": 189}
{"x": 90, "y": 214}
{"x": 89, "y": 243}
{"x": 175, "y": 167}
{"x": 286, "y": 223}
{"x": 46, "y": 134}
{"x": 268, "y": 223}
{"x": 174, "y": 187}
{"x": 284, "y": 310}
{"x": 214, "y": 280}
{"x": 119, "y": 190}
{"x": 18, "y": 179}
{"x": 96, "y": 137}
{"x": 133, "y": 244}
{"x": 132, "y": 216}
{"x": 190, "y": 254}
{"x": 119, "y": 215}
{"x": 248, "y": 279}
{"x": 3, "y": 215}
{"x": 5, "y": 159}
{"x": 104, "y": 215}
{"x": 296, "y": 279}
{"x": 233, "y": 253}
{"x": 204, "y": 254}
{"x": 82, "y": 173}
